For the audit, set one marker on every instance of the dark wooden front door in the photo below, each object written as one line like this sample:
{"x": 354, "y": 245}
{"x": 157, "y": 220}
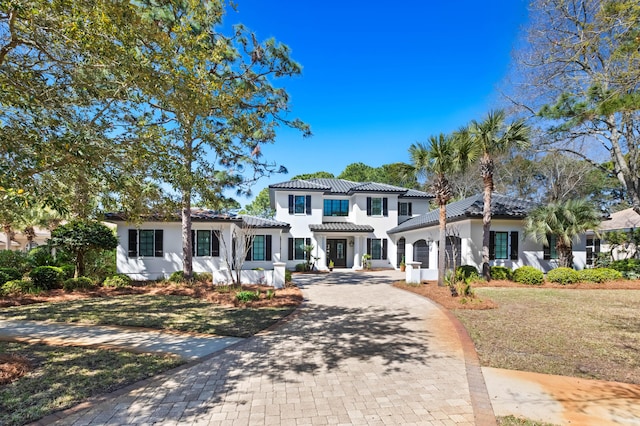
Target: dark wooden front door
{"x": 337, "y": 251}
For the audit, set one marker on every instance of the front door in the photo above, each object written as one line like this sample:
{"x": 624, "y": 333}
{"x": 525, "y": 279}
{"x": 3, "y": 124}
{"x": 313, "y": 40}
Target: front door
{"x": 337, "y": 251}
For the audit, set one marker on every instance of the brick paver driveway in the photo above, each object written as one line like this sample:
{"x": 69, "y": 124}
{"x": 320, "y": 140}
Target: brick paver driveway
{"x": 358, "y": 352}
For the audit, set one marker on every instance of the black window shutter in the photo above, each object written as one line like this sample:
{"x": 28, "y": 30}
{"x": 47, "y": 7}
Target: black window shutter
{"x": 596, "y": 245}
{"x": 514, "y": 246}
{"x": 384, "y": 248}
{"x": 368, "y": 245}
{"x": 385, "y": 206}
{"x": 368, "y": 206}
{"x": 193, "y": 242}
{"x": 410, "y": 212}
{"x": 492, "y": 245}
{"x": 290, "y": 248}
{"x": 267, "y": 254}
{"x": 215, "y": 243}
{"x": 249, "y": 250}
{"x": 159, "y": 240}
{"x": 308, "y": 204}
{"x": 133, "y": 243}
{"x": 291, "y": 204}
{"x": 307, "y": 242}
{"x": 398, "y": 208}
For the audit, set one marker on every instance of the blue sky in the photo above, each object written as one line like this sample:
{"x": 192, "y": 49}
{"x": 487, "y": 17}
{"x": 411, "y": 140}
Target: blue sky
{"x": 379, "y": 76}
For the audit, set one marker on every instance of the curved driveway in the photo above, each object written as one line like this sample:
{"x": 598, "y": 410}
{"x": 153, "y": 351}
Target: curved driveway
{"x": 358, "y": 352}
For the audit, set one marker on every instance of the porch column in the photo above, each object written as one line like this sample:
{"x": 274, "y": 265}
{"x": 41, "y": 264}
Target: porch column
{"x": 408, "y": 252}
{"x": 357, "y": 253}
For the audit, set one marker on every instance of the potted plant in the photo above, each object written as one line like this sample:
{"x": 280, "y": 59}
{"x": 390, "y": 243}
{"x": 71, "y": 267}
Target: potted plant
{"x": 331, "y": 264}
{"x": 402, "y": 264}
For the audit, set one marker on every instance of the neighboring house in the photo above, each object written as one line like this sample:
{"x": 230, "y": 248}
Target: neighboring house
{"x": 153, "y": 249}
{"x": 343, "y": 220}
{"x": 418, "y": 238}
{"x": 20, "y": 241}
{"x": 625, "y": 221}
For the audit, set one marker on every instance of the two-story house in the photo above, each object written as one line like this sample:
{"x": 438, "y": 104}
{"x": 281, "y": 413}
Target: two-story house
{"x": 343, "y": 220}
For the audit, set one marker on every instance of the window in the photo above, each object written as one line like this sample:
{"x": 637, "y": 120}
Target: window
{"x": 549, "y": 251}
{"x": 404, "y": 209}
{"x": 260, "y": 248}
{"x": 593, "y": 248}
{"x": 503, "y": 245}
{"x": 296, "y": 248}
{"x": 299, "y": 204}
{"x": 377, "y": 248}
{"x": 421, "y": 253}
{"x": 205, "y": 242}
{"x": 145, "y": 243}
{"x": 336, "y": 208}
{"x": 377, "y": 206}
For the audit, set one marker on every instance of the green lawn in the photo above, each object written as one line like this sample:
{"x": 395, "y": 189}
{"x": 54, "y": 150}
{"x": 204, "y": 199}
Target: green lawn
{"x": 582, "y": 333}
{"x": 180, "y": 313}
{"x": 61, "y": 377}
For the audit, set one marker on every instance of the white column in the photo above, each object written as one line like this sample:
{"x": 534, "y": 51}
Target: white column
{"x": 278, "y": 274}
{"x": 357, "y": 253}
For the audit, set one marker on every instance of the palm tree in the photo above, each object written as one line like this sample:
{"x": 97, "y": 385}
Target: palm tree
{"x": 565, "y": 221}
{"x": 442, "y": 156}
{"x": 493, "y": 137}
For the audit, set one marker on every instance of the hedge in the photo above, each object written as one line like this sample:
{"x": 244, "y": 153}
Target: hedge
{"x": 528, "y": 275}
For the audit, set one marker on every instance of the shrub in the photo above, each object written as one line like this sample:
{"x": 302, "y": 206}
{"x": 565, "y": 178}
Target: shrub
{"x": 287, "y": 276}
{"x": 599, "y": 275}
{"x": 626, "y": 265}
{"x": 41, "y": 256}
{"x": 501, "y": 273}
{"x": 4, "y": 278}
{"x": 563, "y": 276}
{"x": 117, "y": 281}
{"x": 528, "y": 275}
{"x": 17, "y": 287}
{"x": 203, "y": 277}
{"x": 247, "y": 296}
{"x": 301, "y": 267}
{"x": 177, "y": 277}
{"x": 81, "y": 283}
{"x": 14, "y": 259}
{"x": 467, "y": 273}
{"x": 68, "y": 271}
{"x": 13, "y": 273}
{"x": 46, "y": 277}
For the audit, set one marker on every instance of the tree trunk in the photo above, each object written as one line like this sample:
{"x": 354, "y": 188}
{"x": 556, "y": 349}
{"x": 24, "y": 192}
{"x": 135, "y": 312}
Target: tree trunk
{"x": 486, "y": 226}
{"x": 8, "y": 232}
{"x": 79, "y": 272}
{"x": 565, "y": 255}
{"x": 442, "y": 249}
{"x": 187, "y": 259}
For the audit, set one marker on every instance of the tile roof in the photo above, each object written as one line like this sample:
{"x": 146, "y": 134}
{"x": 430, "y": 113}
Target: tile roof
{"x": 502, "y": 207}
{"x": 340, "y": 227}
{"x": 347, "y": 187}
{"x": 205, "y": 215}
{"x": 261, "y": 222}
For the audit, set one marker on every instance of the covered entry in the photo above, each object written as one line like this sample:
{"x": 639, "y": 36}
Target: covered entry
{"x": 337, "y": 251}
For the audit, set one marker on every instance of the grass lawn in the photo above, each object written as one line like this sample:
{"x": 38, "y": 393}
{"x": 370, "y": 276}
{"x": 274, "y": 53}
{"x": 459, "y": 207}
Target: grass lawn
{"x": 593, "y": 334}
{"x": 61, "y": 377}
{"x": 182, "y": 313}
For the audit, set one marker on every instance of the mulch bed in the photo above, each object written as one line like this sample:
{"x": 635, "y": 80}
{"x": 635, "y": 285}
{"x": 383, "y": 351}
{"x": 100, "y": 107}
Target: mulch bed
{"x": 12, "y": 367}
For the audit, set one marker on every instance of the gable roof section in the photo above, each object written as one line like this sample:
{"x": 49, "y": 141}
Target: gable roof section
{"x": 624, "y": 219}
{"x": 340, "y": 227}
{"x": 502, "y": 207}
{"x": 347, "y": 187}
{"x": 263, "y": 223}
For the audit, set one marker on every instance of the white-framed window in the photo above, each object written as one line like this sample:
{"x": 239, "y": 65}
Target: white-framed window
{"x": 376, "y": 206}
{"x": 296, "y": 248}
{"x": 146, "y": 242}
{"x": 205, "y": 242}
{"x": 405, "y": 209}
{"x": 260, "y": 248}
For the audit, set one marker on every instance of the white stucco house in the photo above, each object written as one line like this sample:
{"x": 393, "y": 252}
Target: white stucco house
{"x": 418, "y": 238}
{"x": 153, "y": 249}
{"x": 343, "y": 220}
{"x": 627, "y": 221}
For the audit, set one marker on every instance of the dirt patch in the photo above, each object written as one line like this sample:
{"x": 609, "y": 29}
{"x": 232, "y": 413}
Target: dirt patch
{"x": 221, "y": 295}
{"x": 12, "y": 367}
{"x": 442, "y": 296}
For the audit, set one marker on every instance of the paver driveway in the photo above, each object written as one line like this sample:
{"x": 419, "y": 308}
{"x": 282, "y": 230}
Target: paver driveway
{"x": 358, "y": 352}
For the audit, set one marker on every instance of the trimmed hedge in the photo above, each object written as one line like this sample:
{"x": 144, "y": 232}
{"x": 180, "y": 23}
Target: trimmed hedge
{"x": 81, "y": 283}
{"x": 626, "y": 265}
{"x": 528, "y": 275}
{"x": 47, "y": 277}
{"x": 501, "y": 273}
{"x": 12, "y": 273}
{"x": 563, "y": 276}
{"x": 599, "y": 275}
{"x": 117, "y": 281}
